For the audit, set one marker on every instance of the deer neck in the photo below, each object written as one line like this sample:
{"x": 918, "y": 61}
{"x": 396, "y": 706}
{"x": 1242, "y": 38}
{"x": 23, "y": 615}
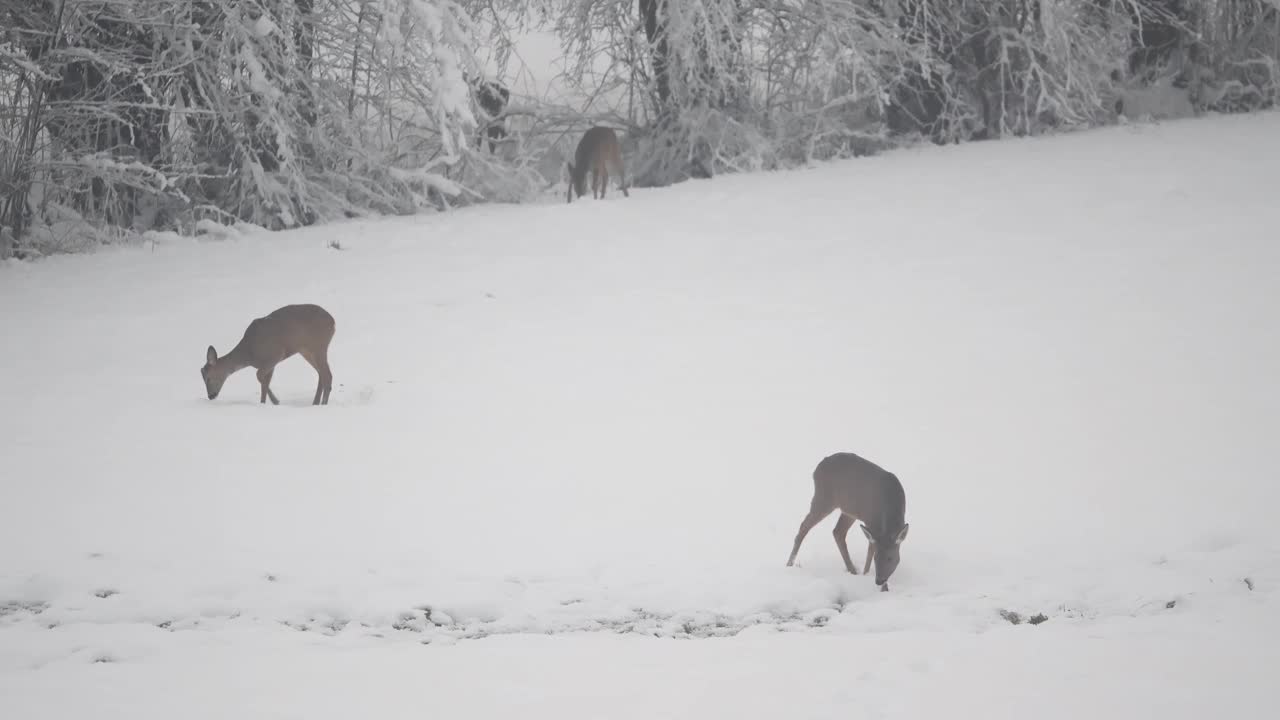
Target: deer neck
{"x": 237, "y": 359}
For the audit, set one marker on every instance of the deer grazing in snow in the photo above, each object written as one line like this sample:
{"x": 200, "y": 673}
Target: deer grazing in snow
{"x": 860, "y": 490}
{"x": 304, "y": 330}
{"x": 598, "y": 152}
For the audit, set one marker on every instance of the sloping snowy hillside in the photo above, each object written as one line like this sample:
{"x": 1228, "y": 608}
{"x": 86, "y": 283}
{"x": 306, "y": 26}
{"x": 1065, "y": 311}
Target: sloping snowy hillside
{"x": 585, "y": 434}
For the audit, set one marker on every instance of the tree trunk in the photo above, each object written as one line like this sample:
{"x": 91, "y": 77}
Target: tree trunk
{"x": 653, "y": 13}
{"x": 304, "y": 41}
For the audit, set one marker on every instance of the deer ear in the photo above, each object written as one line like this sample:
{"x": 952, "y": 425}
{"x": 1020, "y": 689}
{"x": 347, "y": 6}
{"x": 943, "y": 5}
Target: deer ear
{"x": 902, "y": 534}
{"x": 870, "y": 538}
{"x": 211, "y": 355}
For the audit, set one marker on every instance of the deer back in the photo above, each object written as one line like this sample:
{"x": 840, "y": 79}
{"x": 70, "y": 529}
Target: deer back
{"x": 288, "y": 330}
{"x": 864, "y": 490}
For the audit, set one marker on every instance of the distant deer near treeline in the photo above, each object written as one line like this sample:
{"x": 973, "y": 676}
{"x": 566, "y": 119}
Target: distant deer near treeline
{"x": 598, "y": 152}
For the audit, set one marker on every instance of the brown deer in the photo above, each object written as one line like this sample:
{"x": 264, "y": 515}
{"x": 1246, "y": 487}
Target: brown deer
{"x": 598, "y": 152}
{"x": 305, "y": 330}
{"x": 860, "y": 490}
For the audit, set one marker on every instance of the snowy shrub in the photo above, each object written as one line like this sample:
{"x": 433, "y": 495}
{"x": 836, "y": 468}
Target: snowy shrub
{"x": 128, "y": 115}
{"x": 273, "y": 112}
{"x": 728, "y": 85}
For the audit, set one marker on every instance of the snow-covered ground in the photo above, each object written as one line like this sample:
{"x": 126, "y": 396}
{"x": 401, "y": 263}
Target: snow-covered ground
{"x": 569, "y": 446}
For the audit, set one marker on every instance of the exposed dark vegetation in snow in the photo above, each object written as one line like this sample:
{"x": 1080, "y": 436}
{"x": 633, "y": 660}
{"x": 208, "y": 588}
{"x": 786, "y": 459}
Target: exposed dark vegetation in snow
{"x": 123, "y": 117}
{"x": 14, "y": 607}
{"x": 1016, "y": 618}
{"x": 434, "y": 624}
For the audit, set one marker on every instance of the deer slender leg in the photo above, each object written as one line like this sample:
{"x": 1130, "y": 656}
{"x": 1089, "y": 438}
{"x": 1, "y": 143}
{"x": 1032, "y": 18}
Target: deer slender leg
{"x": 326, "y": 374}
{"x": 816, "y": 514}
{"x": 841, "y": 533}
{"x": 324, "y": 382}
{"x": 622, "y": 180}
{"x": 264, "y": 378}
{"x": 871, "y": 551}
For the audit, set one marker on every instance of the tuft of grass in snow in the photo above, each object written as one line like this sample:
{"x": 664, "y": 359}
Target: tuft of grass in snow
{"x": 13, "y": 607}
{"x": 1015, "y": 618}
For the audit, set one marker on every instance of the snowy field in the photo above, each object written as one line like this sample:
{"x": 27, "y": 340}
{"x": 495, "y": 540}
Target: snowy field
{"x": 568, "y": 448}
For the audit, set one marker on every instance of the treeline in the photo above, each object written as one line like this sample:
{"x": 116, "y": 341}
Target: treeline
{"x": 119, "y": 116}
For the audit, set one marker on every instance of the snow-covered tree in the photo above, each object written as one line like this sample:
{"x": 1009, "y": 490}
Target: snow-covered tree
{"x": 133, "y": 113}
{"x": 276, "y": 112}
